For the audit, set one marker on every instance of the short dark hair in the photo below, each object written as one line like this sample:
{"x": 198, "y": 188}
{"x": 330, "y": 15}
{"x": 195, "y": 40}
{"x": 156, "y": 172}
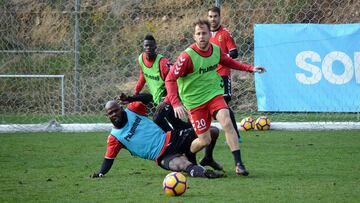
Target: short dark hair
{"x": 111, "y": 104}
{"x": 149, "y": 37}
{"x": 215, "y": 10}
{"x": 201, "y": 22}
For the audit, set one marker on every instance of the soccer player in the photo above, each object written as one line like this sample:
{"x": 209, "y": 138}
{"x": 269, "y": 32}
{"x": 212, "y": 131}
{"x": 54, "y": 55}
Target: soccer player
{"x": 133, "y": 131}
{"x": 194, "y": 78}
{"x": 222, "y": 37}
{"x": 154, "y": 68}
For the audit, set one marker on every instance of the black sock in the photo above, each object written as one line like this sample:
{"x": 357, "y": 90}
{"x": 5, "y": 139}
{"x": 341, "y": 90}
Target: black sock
{"x": 191, "y": 157}
{"x": 209, "y": 150}
{"x": 232, "y": 117}
{"x": 237, "y": 157}
{"x": 195, "y": 170}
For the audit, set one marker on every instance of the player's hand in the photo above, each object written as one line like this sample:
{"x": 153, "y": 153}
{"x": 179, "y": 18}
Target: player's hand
{"x": 135, "y": 93}
{"x": 259, "y": 69}
{"x": 122, "y": 98}
{"x": 180, "y": 112}
{"x": 96, "y": 175}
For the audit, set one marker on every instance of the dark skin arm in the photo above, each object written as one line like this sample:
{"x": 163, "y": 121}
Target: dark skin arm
{"x": 105, "y": 167}
{"x": 145, "y": 98}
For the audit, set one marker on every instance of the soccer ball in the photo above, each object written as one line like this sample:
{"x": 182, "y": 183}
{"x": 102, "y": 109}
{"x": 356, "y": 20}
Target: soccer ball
{"x": 174, "y": 184}
{"x": 262, "y": 123}
{"x": 247, "y": 123}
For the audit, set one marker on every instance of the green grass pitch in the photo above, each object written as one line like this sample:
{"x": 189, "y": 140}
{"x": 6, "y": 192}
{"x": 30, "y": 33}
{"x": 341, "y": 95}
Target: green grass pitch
{"x": 309, "y": 166}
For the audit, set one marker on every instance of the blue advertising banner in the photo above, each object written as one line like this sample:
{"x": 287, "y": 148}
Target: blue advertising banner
{"x": 310, "y": 67}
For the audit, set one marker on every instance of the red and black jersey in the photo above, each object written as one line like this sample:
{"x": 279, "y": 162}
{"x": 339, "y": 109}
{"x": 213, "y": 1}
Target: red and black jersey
{"x": 225, "y": 41}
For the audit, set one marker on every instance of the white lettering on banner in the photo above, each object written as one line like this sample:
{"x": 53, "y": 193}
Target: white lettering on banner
{"x": 327, "y": 68}
{"x": 329, "y": 75}
{"x": 301, "y": 63}
{"x": 357, "y": 66}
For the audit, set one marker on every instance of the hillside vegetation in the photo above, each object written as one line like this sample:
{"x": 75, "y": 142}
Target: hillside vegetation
{"x": 111, "y": 34}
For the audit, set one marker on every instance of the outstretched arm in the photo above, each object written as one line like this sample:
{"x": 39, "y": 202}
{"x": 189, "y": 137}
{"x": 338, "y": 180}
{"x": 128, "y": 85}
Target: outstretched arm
{"x": 233, "y": 64}
{"x": 105, "y": 167}
{"x": 112, "y": 150}
{"x": 144, "y": 98}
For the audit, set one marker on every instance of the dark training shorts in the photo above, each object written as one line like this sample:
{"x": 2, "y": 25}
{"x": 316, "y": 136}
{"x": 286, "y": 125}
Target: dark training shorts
{"x": 227, "y": 88}
{"x": 179, "y": 145}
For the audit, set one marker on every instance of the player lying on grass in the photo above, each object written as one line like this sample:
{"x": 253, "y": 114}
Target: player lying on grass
{"x": 133, "y": 131}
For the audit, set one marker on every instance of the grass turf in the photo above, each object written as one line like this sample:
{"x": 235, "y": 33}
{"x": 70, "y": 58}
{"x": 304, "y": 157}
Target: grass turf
{"x": 310, "y": 166}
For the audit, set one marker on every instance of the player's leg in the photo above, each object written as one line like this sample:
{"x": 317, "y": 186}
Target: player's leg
{"x": 214, "y": 133}
{"x": 178, "y": 162}
{"x": 174, "y": 121}
{"x": 223, "y": 117}
{"x": 208, "y": 159}
{"x": 200, "y": 119}
{"x": 160, "y": 116}
{"x": 200, "y": 142}
{"x": 227, "y": 97}
{"x": 181, "y": 163}
{"x": 219, "y": 109}
{"x": 174, "y": 156}
{"x": 188, "y": 136}
{"x": 233, "y": 121}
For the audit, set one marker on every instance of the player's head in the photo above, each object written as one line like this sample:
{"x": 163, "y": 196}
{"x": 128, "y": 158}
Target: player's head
{"x": 214, "y": 18}
{"x": 114, "y": 112}
{"x": 202, "y": 33}
{"x": 150, "y": 46}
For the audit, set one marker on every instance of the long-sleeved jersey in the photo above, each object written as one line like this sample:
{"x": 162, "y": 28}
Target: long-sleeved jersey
{"x": 184, "y": 66}
{"x": 225, "y": 41}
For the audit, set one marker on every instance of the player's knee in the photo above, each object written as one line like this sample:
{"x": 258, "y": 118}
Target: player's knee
{"x": 205, "y": 141}
{"x": 177, "y": 164}
{"x": 227, "y": 124}
{"x": 183, "y": 163}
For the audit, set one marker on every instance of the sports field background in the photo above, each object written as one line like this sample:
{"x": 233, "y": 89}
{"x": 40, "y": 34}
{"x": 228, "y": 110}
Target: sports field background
{"x": 309, "y": 166}
{"x": 94, "y": 46}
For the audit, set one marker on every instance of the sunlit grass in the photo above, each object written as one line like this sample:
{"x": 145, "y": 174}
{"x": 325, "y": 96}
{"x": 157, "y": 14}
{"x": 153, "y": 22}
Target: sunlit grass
{"x": 321, "y": 166}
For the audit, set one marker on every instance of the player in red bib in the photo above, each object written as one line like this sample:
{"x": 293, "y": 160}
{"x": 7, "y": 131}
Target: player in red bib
{"x": 222, "y": 37}
{"x": 194, "y": 78}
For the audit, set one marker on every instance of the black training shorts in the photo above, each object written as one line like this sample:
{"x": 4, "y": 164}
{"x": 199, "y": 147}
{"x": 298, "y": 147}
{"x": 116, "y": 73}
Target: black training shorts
{"x": 179, "y": 145}
{"x": 227, "y": 88}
